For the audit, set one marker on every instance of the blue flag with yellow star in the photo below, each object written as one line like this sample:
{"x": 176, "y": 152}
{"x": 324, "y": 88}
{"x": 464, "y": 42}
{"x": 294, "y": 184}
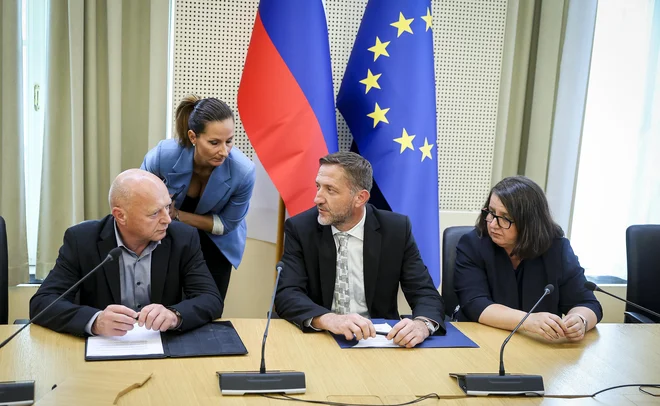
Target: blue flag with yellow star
{"x": 387, "y": 97}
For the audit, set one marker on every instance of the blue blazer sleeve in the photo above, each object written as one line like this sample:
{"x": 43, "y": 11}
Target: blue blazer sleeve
{"x": 234, "y": 212}
{"x": 151, "y": 162}
{"x": 572, "y": 292}
{"x": 470, "y": 278}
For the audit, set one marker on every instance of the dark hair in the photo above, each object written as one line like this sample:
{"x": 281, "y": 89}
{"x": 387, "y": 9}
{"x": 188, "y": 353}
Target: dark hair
{"x": 194, "y": 113}
{"x": 358, "y": 170}
{"x": 528, "y": 208}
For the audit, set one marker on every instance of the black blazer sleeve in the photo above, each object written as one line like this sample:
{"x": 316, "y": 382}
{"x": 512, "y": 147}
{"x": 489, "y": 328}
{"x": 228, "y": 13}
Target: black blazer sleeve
{"x": 203, "y": 303}
{"x": 417, "y": 285}
{"x": 292, "y": 301}
{"x": 572, "y": 292}
{"x": 470, "y": 278}
{"x": 65, "y": 316}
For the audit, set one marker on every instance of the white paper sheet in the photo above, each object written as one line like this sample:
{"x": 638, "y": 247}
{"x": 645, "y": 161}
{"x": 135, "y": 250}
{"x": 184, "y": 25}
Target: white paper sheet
{"x": 138, "y": 341}
{"x": 379, "y": 341}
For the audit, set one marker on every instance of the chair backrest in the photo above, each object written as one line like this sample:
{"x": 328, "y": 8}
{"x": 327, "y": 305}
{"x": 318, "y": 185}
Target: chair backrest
{"x": 450, "y": 238}
{"x": 643, "y": 252}
{"x": 4, "y": 274}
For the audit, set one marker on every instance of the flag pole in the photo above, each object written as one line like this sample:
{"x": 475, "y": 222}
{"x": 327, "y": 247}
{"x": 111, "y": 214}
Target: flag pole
{"x": 279, "y": 247}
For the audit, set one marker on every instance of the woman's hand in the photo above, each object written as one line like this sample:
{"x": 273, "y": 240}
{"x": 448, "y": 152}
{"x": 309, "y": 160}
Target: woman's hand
{"x": 547, "y": 325}
{"x": 174, "y": 212}
{"x": 575, "y": 328}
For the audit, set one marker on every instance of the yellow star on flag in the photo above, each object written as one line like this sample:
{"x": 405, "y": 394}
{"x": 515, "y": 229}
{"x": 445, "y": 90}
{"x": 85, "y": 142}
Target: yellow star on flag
{"x": 426, "y": 150}
{"x": 406, "y": 141}
{"x": 428, "y": 19}
{"x": 371, "y": 81}
{"x": 403, "y": 25}
{"x": 379, "y": 115}
{"x": 379, "y": 49}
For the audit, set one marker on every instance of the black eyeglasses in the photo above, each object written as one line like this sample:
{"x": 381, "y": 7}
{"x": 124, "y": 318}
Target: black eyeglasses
{"x": 503, "y": 222}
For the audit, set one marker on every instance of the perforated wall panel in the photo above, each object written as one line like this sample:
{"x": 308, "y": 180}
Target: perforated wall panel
{"x": 212, "y": 36}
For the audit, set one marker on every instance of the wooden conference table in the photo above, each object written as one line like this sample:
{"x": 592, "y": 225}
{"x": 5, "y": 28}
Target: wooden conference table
{"x": 612, "y": 354}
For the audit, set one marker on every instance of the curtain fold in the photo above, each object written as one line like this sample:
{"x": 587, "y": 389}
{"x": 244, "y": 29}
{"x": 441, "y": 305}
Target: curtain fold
{"x": 530, "y": 78}
{"x": 12, "y": 180}
{"x": 107, "y": 74}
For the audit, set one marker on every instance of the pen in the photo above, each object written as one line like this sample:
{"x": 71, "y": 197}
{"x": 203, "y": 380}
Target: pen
{"x": 381, "y": 333}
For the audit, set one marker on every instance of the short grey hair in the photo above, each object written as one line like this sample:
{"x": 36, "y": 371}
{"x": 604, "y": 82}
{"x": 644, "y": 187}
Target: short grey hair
{"x": 358, "y": 170}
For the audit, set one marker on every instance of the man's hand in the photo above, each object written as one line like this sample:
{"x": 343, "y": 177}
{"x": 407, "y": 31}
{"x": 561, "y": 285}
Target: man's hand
{"x": 547, "y": 325}
{"x": 156, "y": 317}
{"x": 115, "y": 320}
{"x": 408, "y": 333}
{"x": 350, "y": 325}
{"x": 575, "y": 328}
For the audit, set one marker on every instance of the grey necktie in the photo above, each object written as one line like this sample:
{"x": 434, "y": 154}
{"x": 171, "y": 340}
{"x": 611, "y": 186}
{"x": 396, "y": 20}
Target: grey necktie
{"x": 342, "y": 288}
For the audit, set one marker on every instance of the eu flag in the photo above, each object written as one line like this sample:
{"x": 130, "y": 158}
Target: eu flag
{"x": 387, "y": 97}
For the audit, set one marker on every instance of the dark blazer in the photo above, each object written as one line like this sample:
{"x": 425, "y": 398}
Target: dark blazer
{"x": 177, "y": 266}
{"x": 391, "y": 257}
{"x": 484, "y": 275}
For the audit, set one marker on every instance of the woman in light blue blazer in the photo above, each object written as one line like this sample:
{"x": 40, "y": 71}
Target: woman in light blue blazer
{"x": 210, "y": 180}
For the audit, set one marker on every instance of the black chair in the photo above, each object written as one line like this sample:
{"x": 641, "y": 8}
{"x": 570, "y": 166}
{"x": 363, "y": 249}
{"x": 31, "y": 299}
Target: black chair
{"x": 4, "y": 274}
{"x": 450, "y": 238}
{"x": 643, "y": 252}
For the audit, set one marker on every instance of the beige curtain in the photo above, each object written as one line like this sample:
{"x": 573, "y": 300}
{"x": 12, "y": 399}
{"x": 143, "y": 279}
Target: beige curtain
{"x": 530, "y": 77}
{"x": 105, "y": 106}
{"x": 12, "y": 184}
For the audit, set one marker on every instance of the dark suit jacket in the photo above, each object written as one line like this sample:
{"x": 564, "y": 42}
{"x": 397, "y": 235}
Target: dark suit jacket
{"x": 391, "y": 257}
{"x": 177, "y": 266}
{"x": 484, "y": 275}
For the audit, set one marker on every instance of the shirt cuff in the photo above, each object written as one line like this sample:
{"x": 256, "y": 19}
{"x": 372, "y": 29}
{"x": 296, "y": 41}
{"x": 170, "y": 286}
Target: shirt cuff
{"x": 90, "y": 323}
{"x": 308, "y": 323}
{"x": 218, "y": 227}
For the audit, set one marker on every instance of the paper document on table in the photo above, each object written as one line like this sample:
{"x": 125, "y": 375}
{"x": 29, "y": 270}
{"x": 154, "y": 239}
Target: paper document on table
{"x": 138, "y": 341}
{"x": 379, "y": 341}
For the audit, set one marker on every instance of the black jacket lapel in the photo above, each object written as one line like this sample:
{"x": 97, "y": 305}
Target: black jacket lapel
{"x": 159, "y": 268}
{"x": 327, "y": 264}
{"x": 371, "y": 255}
{"x": 108, "y": 241}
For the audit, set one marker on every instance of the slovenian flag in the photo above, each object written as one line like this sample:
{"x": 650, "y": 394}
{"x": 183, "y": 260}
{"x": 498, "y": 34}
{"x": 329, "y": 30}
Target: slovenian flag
{"x": 286, "y": 98}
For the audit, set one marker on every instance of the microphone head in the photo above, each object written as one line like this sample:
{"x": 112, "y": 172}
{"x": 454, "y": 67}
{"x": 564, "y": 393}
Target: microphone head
{"x": 279, "y": 266}
{"x": 550, "y": 288}
{"x": 590, "y": 285}
{"x": 114, "y": 253}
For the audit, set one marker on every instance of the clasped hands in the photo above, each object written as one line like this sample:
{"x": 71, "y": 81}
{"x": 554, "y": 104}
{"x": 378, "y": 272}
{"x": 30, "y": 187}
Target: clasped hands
{"x": 551, "y": 327}
{"x": 406, "y": 333}
{"x": 117, "y": 320}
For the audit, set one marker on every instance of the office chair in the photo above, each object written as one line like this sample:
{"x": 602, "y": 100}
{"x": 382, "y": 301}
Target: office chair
{"x": 450, "y": 238}
{"x": 4, "y": 274}
{"x": 643, "y": 254}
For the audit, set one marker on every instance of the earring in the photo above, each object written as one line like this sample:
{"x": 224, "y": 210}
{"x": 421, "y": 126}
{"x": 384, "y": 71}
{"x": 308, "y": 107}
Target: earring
{"x": 194, "y": 145}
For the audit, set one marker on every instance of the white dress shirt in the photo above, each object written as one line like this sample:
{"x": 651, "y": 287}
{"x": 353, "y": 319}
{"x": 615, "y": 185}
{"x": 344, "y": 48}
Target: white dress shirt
{"x": 355, "y": 266}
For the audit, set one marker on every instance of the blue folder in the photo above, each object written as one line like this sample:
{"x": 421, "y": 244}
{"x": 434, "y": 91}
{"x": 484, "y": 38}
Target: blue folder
{"x": 453, "y": 339}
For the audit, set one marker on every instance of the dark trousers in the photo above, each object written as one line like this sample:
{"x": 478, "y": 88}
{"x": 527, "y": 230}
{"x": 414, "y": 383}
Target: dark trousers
{"x": 218, "y": 265}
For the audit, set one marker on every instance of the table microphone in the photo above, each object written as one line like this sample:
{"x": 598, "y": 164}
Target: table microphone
{"x": 240, "y": 383}
{"x": 503, "y": 384}
{"x": 22, "y": 392}
{"x": 593, "y": 287}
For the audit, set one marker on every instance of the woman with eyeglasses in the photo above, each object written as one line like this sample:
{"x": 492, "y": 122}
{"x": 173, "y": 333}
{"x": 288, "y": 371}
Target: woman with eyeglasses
{"x": 504, "y": 264}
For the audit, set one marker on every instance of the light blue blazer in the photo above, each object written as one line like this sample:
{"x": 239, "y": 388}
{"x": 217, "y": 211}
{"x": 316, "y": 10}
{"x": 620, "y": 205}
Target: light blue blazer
{"x": 227, "y": 193}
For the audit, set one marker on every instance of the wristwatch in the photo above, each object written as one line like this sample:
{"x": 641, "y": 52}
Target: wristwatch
{"x": 429, "y": 324}
{"x": 178, "y": 317}
{"x": 584, "y": 321}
